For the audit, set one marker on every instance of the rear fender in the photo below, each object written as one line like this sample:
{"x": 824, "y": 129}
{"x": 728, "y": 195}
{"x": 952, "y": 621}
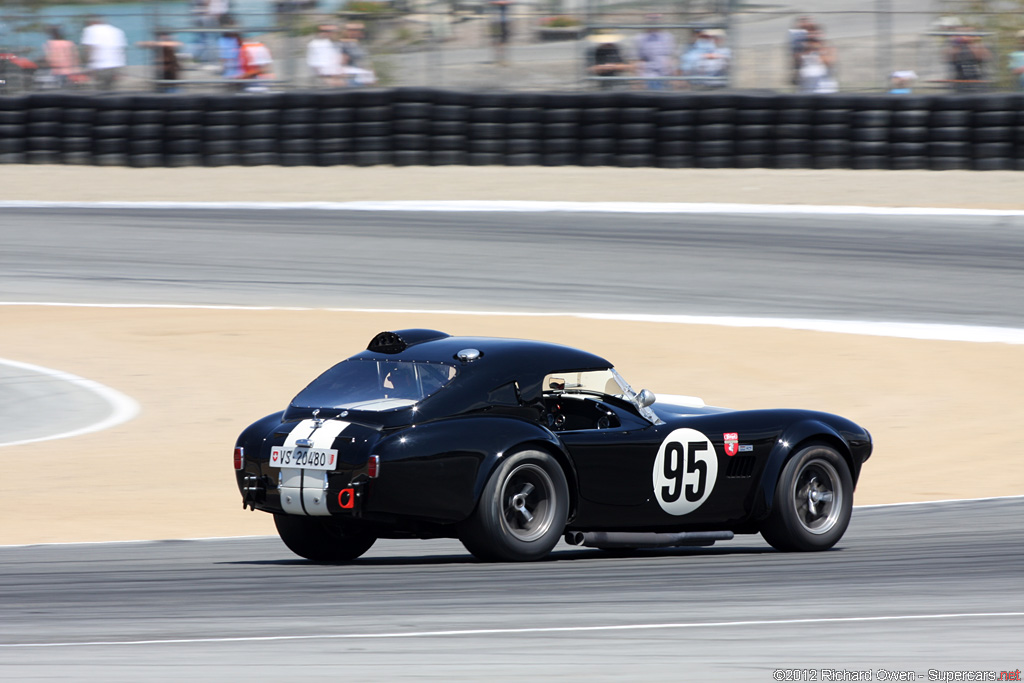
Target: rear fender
{"x": 437, "y": 470}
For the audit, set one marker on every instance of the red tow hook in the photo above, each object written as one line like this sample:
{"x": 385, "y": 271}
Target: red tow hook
{"x": 347, "y": 498}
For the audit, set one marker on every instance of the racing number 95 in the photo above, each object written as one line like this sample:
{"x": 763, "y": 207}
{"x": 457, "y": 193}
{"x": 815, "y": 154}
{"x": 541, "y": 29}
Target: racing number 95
{"x": 680, "y": 461}
{"x": 685, "y": 471}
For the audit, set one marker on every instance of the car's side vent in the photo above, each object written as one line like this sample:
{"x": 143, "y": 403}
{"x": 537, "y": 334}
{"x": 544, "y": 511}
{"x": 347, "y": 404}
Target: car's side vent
{"x": 740, "y": 466}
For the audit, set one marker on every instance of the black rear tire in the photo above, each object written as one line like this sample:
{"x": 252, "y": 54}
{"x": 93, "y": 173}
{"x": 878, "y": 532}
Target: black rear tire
{"x": 813, "y": 501}
{"x": 321, "y": 539}
{"x": 522, "y": 510}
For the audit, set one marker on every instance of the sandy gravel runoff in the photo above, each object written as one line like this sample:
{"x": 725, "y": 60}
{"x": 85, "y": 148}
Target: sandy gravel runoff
{"x": 944, "y": 415}
{"x": 964, "y": 189}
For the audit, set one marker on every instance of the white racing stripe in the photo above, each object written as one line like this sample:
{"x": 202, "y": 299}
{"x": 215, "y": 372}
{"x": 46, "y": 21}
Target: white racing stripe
{"x": 923, "y": 331}
{"x": 526, "y": 631}
{"x": 122, "y": 408}
{"x": 527, "y": 206}
{"x": 303, "y": 490}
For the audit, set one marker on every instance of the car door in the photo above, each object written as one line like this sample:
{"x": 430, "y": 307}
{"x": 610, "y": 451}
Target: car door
{"x": 644, "y": 475}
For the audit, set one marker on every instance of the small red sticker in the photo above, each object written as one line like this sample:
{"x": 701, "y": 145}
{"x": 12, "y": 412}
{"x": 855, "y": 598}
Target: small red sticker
{"x": 275, "y": 454}
{"x": 732, "y": 443}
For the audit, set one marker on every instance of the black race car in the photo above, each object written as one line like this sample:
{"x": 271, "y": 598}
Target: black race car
{"x": 509, "y": 444}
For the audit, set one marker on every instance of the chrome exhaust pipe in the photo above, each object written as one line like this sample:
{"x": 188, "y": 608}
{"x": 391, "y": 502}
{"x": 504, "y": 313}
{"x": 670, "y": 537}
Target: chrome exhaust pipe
{"x": 574, "y": 537}
{"x": 607, "y": 540}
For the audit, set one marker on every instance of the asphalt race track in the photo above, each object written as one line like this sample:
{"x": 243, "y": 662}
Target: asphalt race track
{"x": 910, "y": 588}
{"x": 963, "y": 270}
{"x": 35, "y": 405}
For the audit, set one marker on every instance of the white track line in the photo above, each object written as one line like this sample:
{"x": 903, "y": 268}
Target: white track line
{"x": 514, "y": 206}
{"x": 922, "y": 331}
{"x": 524, "y": 631}
{"x": 935, "y": 502}
{"x": 123, "y": 408}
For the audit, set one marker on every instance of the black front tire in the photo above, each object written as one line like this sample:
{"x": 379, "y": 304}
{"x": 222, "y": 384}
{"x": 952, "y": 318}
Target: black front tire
{"x": 522, "y": 510}
{"x": 321, "y": 539}
{"x": 813, "y": 501}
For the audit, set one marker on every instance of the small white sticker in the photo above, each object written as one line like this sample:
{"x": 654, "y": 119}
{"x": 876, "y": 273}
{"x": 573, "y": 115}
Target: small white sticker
{"x": 685, "y": 471}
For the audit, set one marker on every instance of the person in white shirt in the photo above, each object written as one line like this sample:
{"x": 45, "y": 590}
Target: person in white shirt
{"x": 325, "y": 58}
{"x": 105, "y": 52}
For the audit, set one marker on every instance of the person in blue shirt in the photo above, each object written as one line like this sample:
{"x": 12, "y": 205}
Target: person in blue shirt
{"x": 1017, "y": 60}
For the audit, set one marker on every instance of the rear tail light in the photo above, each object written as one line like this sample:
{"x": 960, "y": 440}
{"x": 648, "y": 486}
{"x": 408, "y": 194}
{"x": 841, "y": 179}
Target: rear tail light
{"x": 373, "y": 467}
{"x": 239, "y": 458}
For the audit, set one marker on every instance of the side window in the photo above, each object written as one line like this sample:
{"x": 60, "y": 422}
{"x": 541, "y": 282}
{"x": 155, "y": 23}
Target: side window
{"x": 575, "y": 400}
{"x": 594, "y": 382}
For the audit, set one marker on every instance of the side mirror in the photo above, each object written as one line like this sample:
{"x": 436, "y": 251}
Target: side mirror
{"x": 645, "y": 398}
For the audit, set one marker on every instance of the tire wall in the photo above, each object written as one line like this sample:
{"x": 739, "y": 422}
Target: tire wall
{"x": 416, "y": 126}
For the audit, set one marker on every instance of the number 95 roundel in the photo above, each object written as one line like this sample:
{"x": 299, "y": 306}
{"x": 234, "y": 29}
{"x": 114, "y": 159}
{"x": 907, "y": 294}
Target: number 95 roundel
{"x": 684, "y": 471}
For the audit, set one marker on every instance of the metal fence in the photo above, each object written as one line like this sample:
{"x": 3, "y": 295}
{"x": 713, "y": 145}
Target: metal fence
{"x": 550, "y": 45}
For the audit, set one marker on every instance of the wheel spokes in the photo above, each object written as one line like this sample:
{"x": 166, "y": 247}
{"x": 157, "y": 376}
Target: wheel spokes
{"x": 815, "y": 496}
{"x": 519, "y": 506}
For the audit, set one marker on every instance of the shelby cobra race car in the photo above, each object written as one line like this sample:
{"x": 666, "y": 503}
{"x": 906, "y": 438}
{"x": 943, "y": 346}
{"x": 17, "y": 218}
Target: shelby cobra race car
{"x": 508, "y": 445}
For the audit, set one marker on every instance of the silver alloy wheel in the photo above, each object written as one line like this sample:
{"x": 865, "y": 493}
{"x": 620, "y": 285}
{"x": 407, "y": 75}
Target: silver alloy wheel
{"x": 527, "y": 502}
{"x": 818, "y": 496}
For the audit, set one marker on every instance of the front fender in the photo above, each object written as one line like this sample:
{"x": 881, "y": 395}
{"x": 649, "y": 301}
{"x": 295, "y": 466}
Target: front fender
{"x": 437, "y": 470}
{"x": 792, "y": 439}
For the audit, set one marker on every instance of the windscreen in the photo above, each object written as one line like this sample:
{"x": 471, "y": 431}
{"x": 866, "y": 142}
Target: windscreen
{"x": 375, "y": 385}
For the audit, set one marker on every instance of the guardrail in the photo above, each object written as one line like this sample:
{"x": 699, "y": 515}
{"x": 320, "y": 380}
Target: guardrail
{"x": 418, "y": 126}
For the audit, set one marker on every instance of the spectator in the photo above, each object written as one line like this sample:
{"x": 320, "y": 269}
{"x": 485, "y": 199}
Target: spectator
{"x": 218, "y": 11}
{"x": 817, "y": 66}
{"x": 706, "y": 62}
{"x": 105, "y": 52}
{"x": 1017, "y": 60}
{"x": 256, "y": 64}
{"x": 357, "y": 67}
{"x": 213, "y": 14}
{"x": 501, "y": 29}
{"x": 62, "y": 59}
{"x": 165, "y": 61}
{"x": 797, "y": 35}
{"x": 902, "y": 82}
{"x": 229, "y": 51}
{"x": 606, "y": 59}
{"x": 656, "y": 52}
{"x": 968, "y": 59}
{"x": 325, "y": 58}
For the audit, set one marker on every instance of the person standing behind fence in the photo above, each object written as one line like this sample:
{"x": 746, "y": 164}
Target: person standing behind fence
{"x": 105, "y": 52}
{"x": 605, "y": 59}
{"x": 706, "y": 63}
{"x": 797, "y": 35}
{"x": 229, "y": 51}
{"x": 817, "y": 66}
{"x": 256, "y": 62}
{"x": 1017, "y": 61}
{"x": 358, "y": 69}
{"x": 968, "y": 61}
{"x": 61, "y": 58}
{"x": 656, "y": 51}
{"x": 325, "y": 58}
{"x": 165, "y": 60}
{"x": 214, "y": 15}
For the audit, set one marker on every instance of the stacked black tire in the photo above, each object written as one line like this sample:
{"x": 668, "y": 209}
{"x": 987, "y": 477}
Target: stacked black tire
{"x": 420, "y": 126}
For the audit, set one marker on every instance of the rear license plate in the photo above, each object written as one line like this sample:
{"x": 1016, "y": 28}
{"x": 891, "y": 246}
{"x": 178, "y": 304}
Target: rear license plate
{"x": 304, "y": 457}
